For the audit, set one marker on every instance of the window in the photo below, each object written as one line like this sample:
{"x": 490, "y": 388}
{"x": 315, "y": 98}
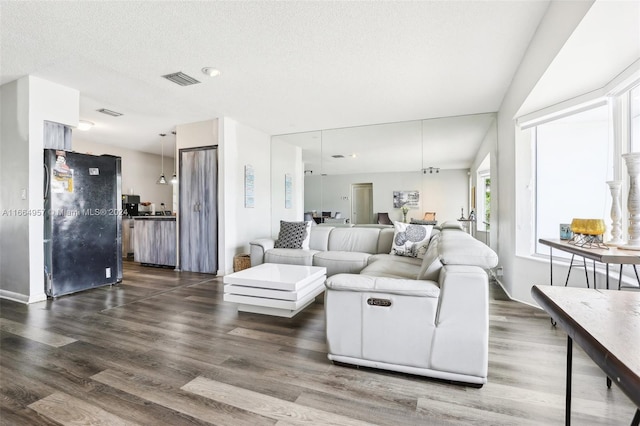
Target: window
{"x": 634, "y": 116}
{"x": 483, "y": 200}
{"x": 573, "y": 162}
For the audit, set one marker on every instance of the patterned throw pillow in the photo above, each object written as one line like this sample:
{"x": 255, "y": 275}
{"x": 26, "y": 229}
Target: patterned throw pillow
{"x": 410, "y": 240}
{"x": 291, "y": 235}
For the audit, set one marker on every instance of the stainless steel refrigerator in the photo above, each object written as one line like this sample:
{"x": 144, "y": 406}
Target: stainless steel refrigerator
{"x": 82, "y": 221}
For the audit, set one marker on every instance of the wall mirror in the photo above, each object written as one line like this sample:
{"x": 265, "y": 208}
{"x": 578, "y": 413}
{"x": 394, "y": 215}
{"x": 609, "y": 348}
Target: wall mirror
{"x": 349, "y": 167}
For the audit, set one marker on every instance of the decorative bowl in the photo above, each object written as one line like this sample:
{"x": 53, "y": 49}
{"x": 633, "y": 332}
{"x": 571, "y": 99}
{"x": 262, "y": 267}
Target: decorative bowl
{"x": 588, "y": 226}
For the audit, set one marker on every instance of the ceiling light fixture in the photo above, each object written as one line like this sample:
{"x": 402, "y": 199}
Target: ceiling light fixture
{"x": 431, "y": 170}
{"x": 85, "y": 125}
{"x": 174, "y": 178}
{"x": 210, "y": 71}
{"x": 162, "y": 180}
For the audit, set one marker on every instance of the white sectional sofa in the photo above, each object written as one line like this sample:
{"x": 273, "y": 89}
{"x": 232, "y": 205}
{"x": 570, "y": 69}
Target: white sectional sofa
{"x": 338, "y": 248}
{"x": 427, "y": 316}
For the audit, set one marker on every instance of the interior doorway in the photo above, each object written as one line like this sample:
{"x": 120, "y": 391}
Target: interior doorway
{"x": 361, "y": 203}
{"x": 483, "y": 199}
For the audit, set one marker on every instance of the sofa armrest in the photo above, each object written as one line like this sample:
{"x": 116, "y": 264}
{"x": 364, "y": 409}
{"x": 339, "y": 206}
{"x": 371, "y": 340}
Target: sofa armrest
{"x": 461, "y": 340}
{"x": 258, "y": 248}
{"x": 370, "y": 284}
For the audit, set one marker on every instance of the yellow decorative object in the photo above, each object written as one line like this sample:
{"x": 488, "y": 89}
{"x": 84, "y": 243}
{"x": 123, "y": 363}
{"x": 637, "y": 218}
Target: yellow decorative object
{"x": 588, "y": 226}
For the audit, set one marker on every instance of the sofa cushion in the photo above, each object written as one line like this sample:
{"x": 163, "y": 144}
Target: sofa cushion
{"x": 364, "y": 240}
{"x": 431, "y": 264}
{"x": 366, "y": 283}
{"x": 319, "y": 239}
{"x": 451, "y": 224}
{"x": 385, "y": 239}
{"x": 291, "y": 235}
{"x": 460, "y": 248}
{"x": 392, "y": 269}
{"x": 410, "y": 240}
{"x": 290, "y": 256}
{"x": 394, "y": 258}
{"x": 341, "y": 261}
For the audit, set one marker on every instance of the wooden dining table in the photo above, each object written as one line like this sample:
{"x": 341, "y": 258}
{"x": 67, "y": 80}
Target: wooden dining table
{"x": 606, "y": 325}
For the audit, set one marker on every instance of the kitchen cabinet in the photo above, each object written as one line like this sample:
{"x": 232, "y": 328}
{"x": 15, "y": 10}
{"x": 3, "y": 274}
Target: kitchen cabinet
{"x": 155, "y": 240}
{"x": 198, "y": 211}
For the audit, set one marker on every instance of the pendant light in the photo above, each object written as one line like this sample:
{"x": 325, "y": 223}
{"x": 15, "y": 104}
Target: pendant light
{"x": 174, "y": 178}
{"x": 162, "y": 180}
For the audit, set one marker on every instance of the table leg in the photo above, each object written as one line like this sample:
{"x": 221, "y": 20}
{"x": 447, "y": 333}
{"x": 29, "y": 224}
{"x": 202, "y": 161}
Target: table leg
{"x": 594, "y": 275}
{"x": 608, "y": 382}
{"x": 607, "y": 268}
{"x": 586, "y": 271}
{"x": 551, "y": 265}
{"x": 620, "y": 277}
{"x": 567, "y": 414}
{"x": 566, "y": 282}
{"x": 636, "y": 418}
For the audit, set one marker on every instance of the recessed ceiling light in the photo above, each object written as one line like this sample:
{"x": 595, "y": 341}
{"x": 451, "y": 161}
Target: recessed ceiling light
{"x": 85, "y": 125}
{"x": 210, "y": 71}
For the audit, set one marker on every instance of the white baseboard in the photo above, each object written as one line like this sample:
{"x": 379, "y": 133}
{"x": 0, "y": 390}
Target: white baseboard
{"x": 22, "y": 298}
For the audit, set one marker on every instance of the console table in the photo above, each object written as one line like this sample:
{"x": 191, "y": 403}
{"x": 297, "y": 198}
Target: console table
{"x": 606, "y": 324}
{"x": 610, "y": 255}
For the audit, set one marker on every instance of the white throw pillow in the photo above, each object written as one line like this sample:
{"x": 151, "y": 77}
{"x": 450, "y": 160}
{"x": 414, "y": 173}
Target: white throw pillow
{"x": 307, "y": 238}
{"x": 410, "y": 240}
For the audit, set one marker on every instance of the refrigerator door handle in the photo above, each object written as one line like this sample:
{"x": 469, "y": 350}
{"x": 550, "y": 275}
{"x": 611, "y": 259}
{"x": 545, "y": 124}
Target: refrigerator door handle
{"x": 46, "y": 181}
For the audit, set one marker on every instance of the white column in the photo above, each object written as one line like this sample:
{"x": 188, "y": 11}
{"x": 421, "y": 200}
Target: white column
{"x": 632, "y": 161}
{"x": 616, "y": 213}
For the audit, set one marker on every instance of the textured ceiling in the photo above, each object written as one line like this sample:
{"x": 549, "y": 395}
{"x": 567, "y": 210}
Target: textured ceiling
{"x": 286, "y": 66}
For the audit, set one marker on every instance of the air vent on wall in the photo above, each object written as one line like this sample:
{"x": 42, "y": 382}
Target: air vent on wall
{"x": 181, "y": 79}
{"x": 338, "y": 156}
{"x": 109, "y": 112}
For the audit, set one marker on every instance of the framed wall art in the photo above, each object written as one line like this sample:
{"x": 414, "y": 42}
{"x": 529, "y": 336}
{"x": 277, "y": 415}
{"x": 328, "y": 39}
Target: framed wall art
{"x": 249, "y": 187}
{"x": 410, "y": 199}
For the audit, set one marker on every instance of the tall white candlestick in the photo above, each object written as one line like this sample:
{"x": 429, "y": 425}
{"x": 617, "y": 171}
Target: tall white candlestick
{"x": 632, "y": 161}
{"x": 616, "y": 213}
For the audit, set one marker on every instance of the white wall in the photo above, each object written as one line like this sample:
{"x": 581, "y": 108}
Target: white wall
{"x": 444, "y": 193}
{"x": 14, "y": 172}
{"x": 243, "y": 146}
{"x": 286, "y": 159}
{"x": 520, "y": 273}
{"x": 140, "y": 170}
{"x": 26, "y": 104}
{"x": 238, "y": 145}
{"x": 489, "y": 146}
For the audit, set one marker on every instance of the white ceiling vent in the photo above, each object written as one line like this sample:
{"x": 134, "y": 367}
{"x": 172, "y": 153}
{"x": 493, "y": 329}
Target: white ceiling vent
{"x": 338, "y": 156}
{"x": 181, "y": 79}
{"x": 109, "y": 112}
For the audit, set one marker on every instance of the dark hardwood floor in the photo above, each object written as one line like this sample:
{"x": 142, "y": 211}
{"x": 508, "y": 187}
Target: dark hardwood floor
{"x": 163, "y": 348}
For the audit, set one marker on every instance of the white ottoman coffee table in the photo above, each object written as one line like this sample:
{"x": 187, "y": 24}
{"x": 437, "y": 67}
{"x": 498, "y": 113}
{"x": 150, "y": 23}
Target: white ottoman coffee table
{"x": 274, "y": 289}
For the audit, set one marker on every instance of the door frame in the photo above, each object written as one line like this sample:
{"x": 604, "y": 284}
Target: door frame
{"x": 180, "y": 201}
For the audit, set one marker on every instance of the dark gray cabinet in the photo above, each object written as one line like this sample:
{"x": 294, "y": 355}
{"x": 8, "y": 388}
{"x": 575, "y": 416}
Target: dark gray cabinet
{"x": 198, "y": 211}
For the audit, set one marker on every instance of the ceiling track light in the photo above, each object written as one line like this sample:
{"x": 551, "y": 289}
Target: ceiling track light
{"x": 430, "y": 170}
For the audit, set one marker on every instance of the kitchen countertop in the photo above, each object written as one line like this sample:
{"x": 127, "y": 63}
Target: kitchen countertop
{"x": 153, "y": 217}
